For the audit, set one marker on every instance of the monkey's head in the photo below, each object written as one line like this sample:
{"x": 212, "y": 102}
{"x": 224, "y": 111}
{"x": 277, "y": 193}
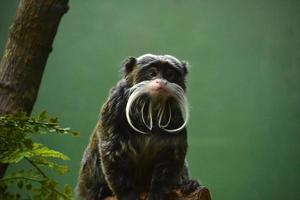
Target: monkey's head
{"x": 156, "y": 93}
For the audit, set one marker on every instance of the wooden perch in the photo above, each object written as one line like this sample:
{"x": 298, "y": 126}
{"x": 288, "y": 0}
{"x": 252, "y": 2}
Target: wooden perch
{"x": 200, "y": 194}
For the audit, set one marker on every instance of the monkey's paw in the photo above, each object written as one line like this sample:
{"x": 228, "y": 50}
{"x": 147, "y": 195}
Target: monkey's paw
{"x": 190, "y": 186}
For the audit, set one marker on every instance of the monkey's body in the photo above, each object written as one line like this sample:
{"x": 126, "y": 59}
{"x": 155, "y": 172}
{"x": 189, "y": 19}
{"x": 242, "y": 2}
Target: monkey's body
{"x": 121, "y": 161}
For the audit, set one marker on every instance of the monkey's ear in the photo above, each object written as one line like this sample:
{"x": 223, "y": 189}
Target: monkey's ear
{"x": 185, "y": 66}
{"x": 128, "y": 65}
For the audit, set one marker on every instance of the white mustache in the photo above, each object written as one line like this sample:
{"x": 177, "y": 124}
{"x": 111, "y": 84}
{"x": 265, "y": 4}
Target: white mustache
{"x": 138, "y": 90}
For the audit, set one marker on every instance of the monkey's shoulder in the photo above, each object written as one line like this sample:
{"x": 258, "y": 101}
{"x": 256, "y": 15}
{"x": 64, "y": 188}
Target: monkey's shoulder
{"x": 119, "y": 90}
{"x": 114, "y": 106}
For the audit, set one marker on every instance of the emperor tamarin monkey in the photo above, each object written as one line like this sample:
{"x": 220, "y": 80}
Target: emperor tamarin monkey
{"x": 140, "y": 142}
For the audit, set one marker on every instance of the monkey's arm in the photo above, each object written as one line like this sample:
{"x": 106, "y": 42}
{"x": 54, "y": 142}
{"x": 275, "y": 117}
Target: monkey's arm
{"x": 91, "y": 182}
{"x": 186, "y": 184}
{"x": 166, "y": 174}
{"x": 116, "y": 166}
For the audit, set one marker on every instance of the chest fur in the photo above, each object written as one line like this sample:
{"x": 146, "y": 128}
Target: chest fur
{"x": 148, "y": 148}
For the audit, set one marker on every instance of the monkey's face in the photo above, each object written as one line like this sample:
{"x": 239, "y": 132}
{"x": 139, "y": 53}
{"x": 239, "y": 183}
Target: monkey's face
{"x": 157, "y": 93}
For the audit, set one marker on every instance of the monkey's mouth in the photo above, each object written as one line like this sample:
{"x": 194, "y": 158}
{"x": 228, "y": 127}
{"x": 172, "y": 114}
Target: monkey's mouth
{"x": 159, "y": 93}
{"x": 159, "y": 89}
{"x": 159, "y": 106}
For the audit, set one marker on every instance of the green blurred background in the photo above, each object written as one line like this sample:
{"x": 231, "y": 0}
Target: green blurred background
{"x": 244, "y": 83}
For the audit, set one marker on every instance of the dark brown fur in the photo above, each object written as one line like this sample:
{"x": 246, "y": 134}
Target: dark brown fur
{"x": 120, "y": 161}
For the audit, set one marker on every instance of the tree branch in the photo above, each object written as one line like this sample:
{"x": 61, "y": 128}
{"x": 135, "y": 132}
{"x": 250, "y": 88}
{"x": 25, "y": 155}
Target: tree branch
{"x": 27, "y": 49}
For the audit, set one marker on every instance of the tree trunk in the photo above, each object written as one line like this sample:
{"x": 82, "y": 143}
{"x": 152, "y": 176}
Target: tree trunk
{"x": 26, "y": 53}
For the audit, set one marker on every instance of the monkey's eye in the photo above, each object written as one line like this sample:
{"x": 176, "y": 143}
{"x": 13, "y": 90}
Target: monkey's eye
{"x": 152, "y": 72}
{"x": 169, "y": 74}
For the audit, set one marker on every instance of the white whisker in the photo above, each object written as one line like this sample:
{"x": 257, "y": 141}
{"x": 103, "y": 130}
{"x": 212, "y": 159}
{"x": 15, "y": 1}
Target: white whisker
{"x": 160, "y": 113}
{"x": 179, "y": 95}
{"x": 143, "y": 119}
{"x": 150, "y": 110}
{"x": 135, "y": 92}
{"x": 169, "y": 119}
{"x": 135, "y": 102}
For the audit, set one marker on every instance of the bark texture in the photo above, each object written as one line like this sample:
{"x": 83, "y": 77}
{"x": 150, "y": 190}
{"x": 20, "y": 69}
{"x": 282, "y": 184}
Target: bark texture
{"x": 199, "y": 194}
{"x": 26, "y": 53}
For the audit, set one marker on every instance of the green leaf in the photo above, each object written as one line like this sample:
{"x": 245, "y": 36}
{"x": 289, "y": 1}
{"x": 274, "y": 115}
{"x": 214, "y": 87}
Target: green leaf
{"x": 36, "y": 128}
{"x": 50, "y": 184}
{"x": 20, "y": 184}
{"x": 75, "y": 133}
{"x": 18, "y": 154}
{"x": 16, "y": 144}
{"x": 46, "y": 152}
{"x": 28, "y": 143}
{"x": 53, "y": 120}
{"x": 43, "y": 115}
{"x": 14, "y": 156}
{"x": 62, "y": 169}
{"x": 67, "y": 190}
{"x": 38, "y": 150}
{"x": 28, "y": 186}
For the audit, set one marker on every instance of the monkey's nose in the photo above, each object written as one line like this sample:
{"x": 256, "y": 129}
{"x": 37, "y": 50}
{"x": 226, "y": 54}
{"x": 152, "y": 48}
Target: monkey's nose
{"x": 158, "y": 89}
{"x": 161, "y": 82}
